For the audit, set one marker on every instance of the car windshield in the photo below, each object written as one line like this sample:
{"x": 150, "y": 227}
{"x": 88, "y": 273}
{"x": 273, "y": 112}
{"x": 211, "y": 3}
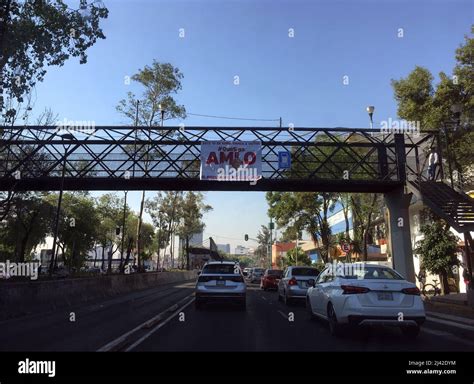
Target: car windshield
{"x": 220, "y": 268}
{"x": 373, "y": 273}
{"x": 274, "y": 272}
{"x": 259, "y": 270}
{"x": 304, "y": 272}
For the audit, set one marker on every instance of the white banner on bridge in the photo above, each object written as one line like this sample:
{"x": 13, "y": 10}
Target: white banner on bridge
{"x": 231, "y": 160}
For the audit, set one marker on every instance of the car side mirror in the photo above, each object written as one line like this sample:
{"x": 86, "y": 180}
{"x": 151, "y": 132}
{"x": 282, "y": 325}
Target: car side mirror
{"x": 198, "y": 273}
{"x": 312, "y": 282}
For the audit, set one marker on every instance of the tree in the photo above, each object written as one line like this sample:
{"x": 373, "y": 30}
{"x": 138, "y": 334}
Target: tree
{"x": 420, "y": 100}
{"x": 437, "y": 250}
{"x": 304, "y": 211}
{"x": 79, "y": 227}
{"x": 263, "y": 250}
{"x": 296, "y": 256}
{"x": 160, "y": 82}
{"x": 38, "y": 34}
{"x": 365, "y": 208}
{"x": 191, "y": 219}
{"x": 110, "y": 213}
{"x": 26, "y": 226}
{"x": 165, "y": 210}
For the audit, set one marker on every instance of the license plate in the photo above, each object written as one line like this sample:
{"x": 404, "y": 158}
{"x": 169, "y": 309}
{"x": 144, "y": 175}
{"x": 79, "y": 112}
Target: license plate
{"x": 385, "y": 296}
{"x": 220, "y": 282}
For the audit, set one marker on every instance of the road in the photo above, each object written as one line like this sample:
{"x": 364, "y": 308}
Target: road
{"x": 266, "y": 325}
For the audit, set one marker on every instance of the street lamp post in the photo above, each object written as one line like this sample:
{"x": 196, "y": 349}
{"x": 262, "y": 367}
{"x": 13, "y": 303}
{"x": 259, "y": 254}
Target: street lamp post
{"x": 370, "y": 110}
{"x": 53, "y": 261}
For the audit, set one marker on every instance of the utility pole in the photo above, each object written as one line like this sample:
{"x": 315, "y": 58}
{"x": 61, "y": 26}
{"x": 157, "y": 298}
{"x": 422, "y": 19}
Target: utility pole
{"x": 123, "y": 230}
{"x": 271, "y": 225}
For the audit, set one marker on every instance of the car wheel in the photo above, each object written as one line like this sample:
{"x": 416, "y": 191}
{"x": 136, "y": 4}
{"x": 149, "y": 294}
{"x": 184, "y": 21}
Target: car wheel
{"x": 286, "y": 299}
{"x": 334, "y": 326}
{"x": 309, "y": 309}
{"x": 279, "y": 296}
{"x": 411, "y": 332}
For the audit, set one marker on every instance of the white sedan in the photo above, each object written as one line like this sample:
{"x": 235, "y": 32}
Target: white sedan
{"x": 365, "y": 295}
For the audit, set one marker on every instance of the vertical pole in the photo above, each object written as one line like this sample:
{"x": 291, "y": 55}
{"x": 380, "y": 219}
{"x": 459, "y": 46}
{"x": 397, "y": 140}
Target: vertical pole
{"x": 123, "y": 230}
{"x": 53, "y": 261}
{"x": 448, "y": 153}
{"x": 398, "y": 204}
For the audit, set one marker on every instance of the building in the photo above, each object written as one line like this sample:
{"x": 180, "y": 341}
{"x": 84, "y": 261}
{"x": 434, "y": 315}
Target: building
{"x": 240, "y": 250}
{"x": 224, "y": 248}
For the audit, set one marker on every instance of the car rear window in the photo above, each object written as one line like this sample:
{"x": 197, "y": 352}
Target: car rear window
{"x": 260, "y": 270}
{"x": 374, "y": 273}
{"x": 220, "y": 268}
{"x": 274, "y": 272}
{"x": 305, "y": 272}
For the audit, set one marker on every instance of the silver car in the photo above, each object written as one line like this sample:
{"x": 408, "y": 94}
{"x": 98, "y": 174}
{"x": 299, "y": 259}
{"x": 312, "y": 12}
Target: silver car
{"x": 295, "y": 282}
{"x": 220, "y": 281}
{"x": 256, "y": 275}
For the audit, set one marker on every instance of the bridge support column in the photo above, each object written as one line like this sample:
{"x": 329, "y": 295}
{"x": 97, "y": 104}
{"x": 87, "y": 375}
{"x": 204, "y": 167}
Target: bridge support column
{"x": 398, "y": 204}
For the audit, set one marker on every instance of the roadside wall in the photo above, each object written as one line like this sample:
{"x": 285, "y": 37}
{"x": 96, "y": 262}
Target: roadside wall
{"x": 22, "y": 298}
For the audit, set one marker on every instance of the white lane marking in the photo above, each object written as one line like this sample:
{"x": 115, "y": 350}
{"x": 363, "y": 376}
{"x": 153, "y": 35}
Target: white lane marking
{"x": 123, "y": 338}
{"x": 285, "y": 316}
{"x": 146, "y": 336}
{"x": 264, "y": 298}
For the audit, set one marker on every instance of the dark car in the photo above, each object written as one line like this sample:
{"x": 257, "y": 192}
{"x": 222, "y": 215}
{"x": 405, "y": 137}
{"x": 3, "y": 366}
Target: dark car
{"x": 270, "y": 279}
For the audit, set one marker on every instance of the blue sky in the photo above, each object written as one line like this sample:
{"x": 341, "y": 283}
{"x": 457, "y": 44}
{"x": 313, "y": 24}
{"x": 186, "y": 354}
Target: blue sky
{"x": 299, "y": 79}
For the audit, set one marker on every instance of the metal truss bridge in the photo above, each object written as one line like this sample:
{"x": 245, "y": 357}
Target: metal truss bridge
{"x": 46, "y": 158}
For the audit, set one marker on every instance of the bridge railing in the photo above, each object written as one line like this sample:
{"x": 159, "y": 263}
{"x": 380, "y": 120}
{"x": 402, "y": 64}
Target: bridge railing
{"x": 343, "y": 155}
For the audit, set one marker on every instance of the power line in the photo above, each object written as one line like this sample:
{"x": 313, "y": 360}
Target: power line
{"x": 230, "y": 118}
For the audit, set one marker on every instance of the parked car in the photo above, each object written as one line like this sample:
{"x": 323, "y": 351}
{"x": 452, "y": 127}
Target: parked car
{"x": 295, "y": 283}
{"x": 256, "y": 274}
{"x": 220, "y": 281}
{"x": 366, "y": 295}
{"x": 270, "y": 279}
{"x": 246, "y": 271}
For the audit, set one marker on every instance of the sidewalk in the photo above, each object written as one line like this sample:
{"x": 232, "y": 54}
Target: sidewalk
{"x": 451, "y": 312}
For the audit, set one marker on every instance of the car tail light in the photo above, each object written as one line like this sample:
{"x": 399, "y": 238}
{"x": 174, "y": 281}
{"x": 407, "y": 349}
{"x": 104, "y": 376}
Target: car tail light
{"x": 292, "y": 281}
{"x": 411, "y": 291}
{"x": 353, "y": 289}
{"x": 237, "y": 279}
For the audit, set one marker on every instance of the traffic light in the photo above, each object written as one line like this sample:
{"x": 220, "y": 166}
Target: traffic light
{"x": 246, "y": 237}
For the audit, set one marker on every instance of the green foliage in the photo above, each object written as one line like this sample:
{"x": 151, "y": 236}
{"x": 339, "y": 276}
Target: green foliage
{"x": 160, "y": 82}
{"x": 296, "y": 256}
{"x": 420, "y": 100}
{"x": 38, "y": 34}
{"x": 79, "y": 227}
{"x": 303, "y": 211}
{"x": 26, "y": 225}
{"x": 438, "y": 247}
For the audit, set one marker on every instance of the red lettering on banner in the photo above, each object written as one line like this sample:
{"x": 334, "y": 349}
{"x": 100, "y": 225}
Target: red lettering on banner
{"x": 212, "y": 158}
{"x": 250, "y": 158}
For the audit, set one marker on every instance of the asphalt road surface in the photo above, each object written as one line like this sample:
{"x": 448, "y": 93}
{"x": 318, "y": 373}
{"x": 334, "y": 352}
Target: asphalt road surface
{"x": 266, "y": 325}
